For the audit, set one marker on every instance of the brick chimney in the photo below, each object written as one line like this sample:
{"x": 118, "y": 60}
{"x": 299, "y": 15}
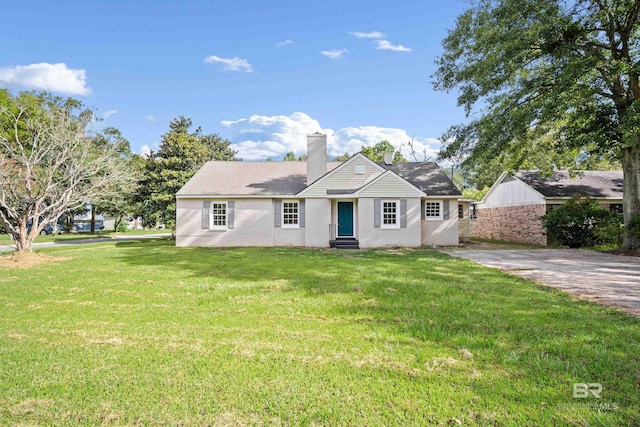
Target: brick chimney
{"x": 316, "y": 156}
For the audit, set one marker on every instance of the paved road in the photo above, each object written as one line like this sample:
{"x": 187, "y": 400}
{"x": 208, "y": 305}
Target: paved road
{"x": 609, "y": 279}
{"x": 80, "y": 241}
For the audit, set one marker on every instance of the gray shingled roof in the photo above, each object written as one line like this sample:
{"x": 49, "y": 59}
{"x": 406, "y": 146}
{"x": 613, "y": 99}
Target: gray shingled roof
{"x": 249, "y": 178}
{"x": 597, "y": 184}
{"x": 427, "y": 176}
{"x": 288, "y": 178}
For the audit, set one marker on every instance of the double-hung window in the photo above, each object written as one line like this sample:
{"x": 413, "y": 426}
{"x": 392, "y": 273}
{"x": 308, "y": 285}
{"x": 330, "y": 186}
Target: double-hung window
{"x": 218, "y": 215}
{"x": 290, "y": 214}
{"x": 390, "y": 214}
{"x": 433, "y": 210}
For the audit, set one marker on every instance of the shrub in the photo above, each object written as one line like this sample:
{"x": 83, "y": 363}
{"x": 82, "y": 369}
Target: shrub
{"x": 122, "y": 227}
{"x": 581, "y": 222}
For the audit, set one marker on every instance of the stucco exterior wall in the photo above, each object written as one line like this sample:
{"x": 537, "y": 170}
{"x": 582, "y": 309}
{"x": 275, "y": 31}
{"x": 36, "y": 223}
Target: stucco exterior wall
{"x": 253, "y": 225}
{"x": 441, "y": 232}
{"x": 287, "y": 236}
{"x": 318, "y": 218}
{"x": 370, "y": 236}
{"x": 511, "y": 223}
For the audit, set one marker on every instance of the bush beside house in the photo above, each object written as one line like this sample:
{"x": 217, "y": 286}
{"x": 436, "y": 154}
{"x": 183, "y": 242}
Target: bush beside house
{"x": 581, "y": 222}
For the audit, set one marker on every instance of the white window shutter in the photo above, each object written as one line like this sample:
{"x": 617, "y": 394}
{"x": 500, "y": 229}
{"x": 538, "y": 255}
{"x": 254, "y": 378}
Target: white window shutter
{"x": 301, "y": 213}
{"x": 445, "y": 209}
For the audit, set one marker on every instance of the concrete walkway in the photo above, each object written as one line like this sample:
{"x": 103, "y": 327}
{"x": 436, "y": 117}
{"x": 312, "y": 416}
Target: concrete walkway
{"x": 81, "y": 241}
{"x": 611, "y": 280}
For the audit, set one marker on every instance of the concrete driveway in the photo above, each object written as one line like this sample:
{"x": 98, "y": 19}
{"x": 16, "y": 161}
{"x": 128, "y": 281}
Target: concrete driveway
{"x": 611, "y": 280}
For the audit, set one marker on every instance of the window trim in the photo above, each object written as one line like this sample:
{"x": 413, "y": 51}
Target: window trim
{"x": 282, "y": 213}
{"x": 226, "y": 215}
{"x": 397, "y": 214}
{"x": 440, "y": 210}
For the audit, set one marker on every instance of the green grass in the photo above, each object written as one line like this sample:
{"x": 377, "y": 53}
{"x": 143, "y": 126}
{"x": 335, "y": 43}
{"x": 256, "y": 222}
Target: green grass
{"x": 5, "y": 239}
{"x": 146, "y": 333}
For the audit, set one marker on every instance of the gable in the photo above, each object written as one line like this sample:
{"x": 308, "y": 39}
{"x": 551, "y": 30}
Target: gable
{"x": 510, "y": 191}
{"x": 348, "y": 177}
{"x": 390, "y": 185}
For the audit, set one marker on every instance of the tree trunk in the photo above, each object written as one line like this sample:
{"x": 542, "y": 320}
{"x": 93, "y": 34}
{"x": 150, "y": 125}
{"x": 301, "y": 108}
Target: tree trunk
{"x": 631, "y": 203}
{"x": 93, "y": 219}
{"x": 24, "y": 240}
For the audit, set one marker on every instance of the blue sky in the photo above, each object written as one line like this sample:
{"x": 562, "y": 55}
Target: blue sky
{"x": 262, "y": 74}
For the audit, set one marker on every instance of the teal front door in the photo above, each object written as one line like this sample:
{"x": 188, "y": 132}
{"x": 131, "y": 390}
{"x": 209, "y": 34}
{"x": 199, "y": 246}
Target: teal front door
{"x": 345, "y": 219}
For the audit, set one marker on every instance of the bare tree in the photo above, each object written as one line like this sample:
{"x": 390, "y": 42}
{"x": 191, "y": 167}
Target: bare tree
{"x": 425, "y": 157}
{"x": 49, "y": 164}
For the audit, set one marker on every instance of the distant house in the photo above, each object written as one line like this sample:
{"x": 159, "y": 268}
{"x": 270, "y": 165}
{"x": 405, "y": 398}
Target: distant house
{"x": 358, "y": 203}
{"x": 512, "y": 208}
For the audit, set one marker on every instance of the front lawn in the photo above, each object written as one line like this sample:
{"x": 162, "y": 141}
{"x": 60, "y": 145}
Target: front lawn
{"x": 146, "y": 333}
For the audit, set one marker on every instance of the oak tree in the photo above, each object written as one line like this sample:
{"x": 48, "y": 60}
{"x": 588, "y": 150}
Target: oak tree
{"x": 527, "y": 68}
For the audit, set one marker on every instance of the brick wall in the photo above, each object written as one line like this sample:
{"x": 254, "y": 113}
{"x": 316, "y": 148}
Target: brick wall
{"x": 511, "y": 223}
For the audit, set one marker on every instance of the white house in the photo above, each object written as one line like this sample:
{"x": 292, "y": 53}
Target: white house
{"x": 358, "y": 203}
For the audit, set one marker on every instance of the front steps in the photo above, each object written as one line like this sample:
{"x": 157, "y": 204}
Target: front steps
{"x": 345, "y": 243}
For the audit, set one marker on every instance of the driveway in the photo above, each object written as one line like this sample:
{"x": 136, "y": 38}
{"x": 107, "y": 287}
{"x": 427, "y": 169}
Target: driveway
{"x": 81, "y": 241}
{"x": 611, "y": 280}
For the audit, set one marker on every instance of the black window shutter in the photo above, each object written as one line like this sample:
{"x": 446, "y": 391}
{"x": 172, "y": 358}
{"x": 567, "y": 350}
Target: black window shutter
{"x": 376, "y": 213}
{"x": 206, "y": 206}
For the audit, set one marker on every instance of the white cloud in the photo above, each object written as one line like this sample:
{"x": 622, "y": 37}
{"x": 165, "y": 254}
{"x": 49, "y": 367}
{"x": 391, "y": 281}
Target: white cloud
{"x": 109, "y": 113}
{"x": 150, "y": 118}
{"x": 230, "y": 64}
{"x": 334, "y": 53}
{"x": 284, "y": 43}
{"x": 386, "y": 45}
{"x": 145, "y": 150}
{"x": 259, "y": 137}
{"x": 45, "y": 76}
{"x": 371, "y": 35}
{"x": 350, "y": 140}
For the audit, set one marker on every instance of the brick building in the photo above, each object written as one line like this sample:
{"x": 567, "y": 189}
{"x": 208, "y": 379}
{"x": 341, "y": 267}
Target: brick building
{"x": 512, "y": 208}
